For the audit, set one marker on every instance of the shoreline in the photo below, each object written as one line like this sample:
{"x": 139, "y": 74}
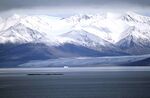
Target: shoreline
{"x": 75, "y": 69}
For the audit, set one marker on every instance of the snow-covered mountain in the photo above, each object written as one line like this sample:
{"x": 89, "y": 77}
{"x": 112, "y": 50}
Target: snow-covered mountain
{"x": 135, "y": 41}
{"x": 20, "y": 34}
{"x": 91, "y": 41}
{"x": 102, "y": 34}
{"x": 135, "y": 18}
{"x": 108, "y": 26}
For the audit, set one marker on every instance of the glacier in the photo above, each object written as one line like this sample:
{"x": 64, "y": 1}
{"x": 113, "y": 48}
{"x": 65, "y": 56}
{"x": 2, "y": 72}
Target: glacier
{"x": 91, "y": 62}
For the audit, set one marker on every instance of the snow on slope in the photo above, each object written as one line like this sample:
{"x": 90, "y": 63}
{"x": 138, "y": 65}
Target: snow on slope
{"x": 115, "y": 29}
{"x": 135, "y": 18}
{"x": 89, "y": 40}
{"x": 41, "y": 23}
{"x": 108, "y": 26}
{"x": 25, "y": 29}
{"x": 20, "y": 34}
{"x": 135, "y": 36}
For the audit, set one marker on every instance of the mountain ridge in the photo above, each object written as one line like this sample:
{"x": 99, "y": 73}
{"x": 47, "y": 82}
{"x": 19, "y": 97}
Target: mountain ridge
{"x": 107, "y": 33}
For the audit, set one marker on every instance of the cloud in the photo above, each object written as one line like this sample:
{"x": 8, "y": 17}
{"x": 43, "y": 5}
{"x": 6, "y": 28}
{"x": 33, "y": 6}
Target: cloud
{"x": 70, "y": 6}
{"x": 15, "y": 4}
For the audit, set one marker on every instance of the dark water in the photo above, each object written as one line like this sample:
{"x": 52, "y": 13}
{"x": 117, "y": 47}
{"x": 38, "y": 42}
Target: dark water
{"x": 116, "y": 84}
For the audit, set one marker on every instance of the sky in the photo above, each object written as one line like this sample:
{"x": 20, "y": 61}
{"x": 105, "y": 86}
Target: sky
{"x": 68, "y": 7}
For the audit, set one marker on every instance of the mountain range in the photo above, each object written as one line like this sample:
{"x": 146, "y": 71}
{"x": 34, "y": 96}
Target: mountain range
{"x": 39, "y": 37}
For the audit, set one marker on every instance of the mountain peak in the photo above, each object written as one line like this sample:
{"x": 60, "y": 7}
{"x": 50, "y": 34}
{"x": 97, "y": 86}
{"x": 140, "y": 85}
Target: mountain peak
{"x": 134, "y": 17}
{"x": 102, "y": 29}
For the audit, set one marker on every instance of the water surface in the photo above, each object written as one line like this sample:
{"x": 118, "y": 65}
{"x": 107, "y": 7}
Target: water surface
{"x": 76, "y": 84}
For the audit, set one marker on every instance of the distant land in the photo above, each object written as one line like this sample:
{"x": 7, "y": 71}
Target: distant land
{"x": 80, "y": 40}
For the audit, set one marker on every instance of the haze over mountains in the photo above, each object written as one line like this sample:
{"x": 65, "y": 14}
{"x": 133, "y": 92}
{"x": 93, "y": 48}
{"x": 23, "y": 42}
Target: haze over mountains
{"x": 40, "y": 37}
